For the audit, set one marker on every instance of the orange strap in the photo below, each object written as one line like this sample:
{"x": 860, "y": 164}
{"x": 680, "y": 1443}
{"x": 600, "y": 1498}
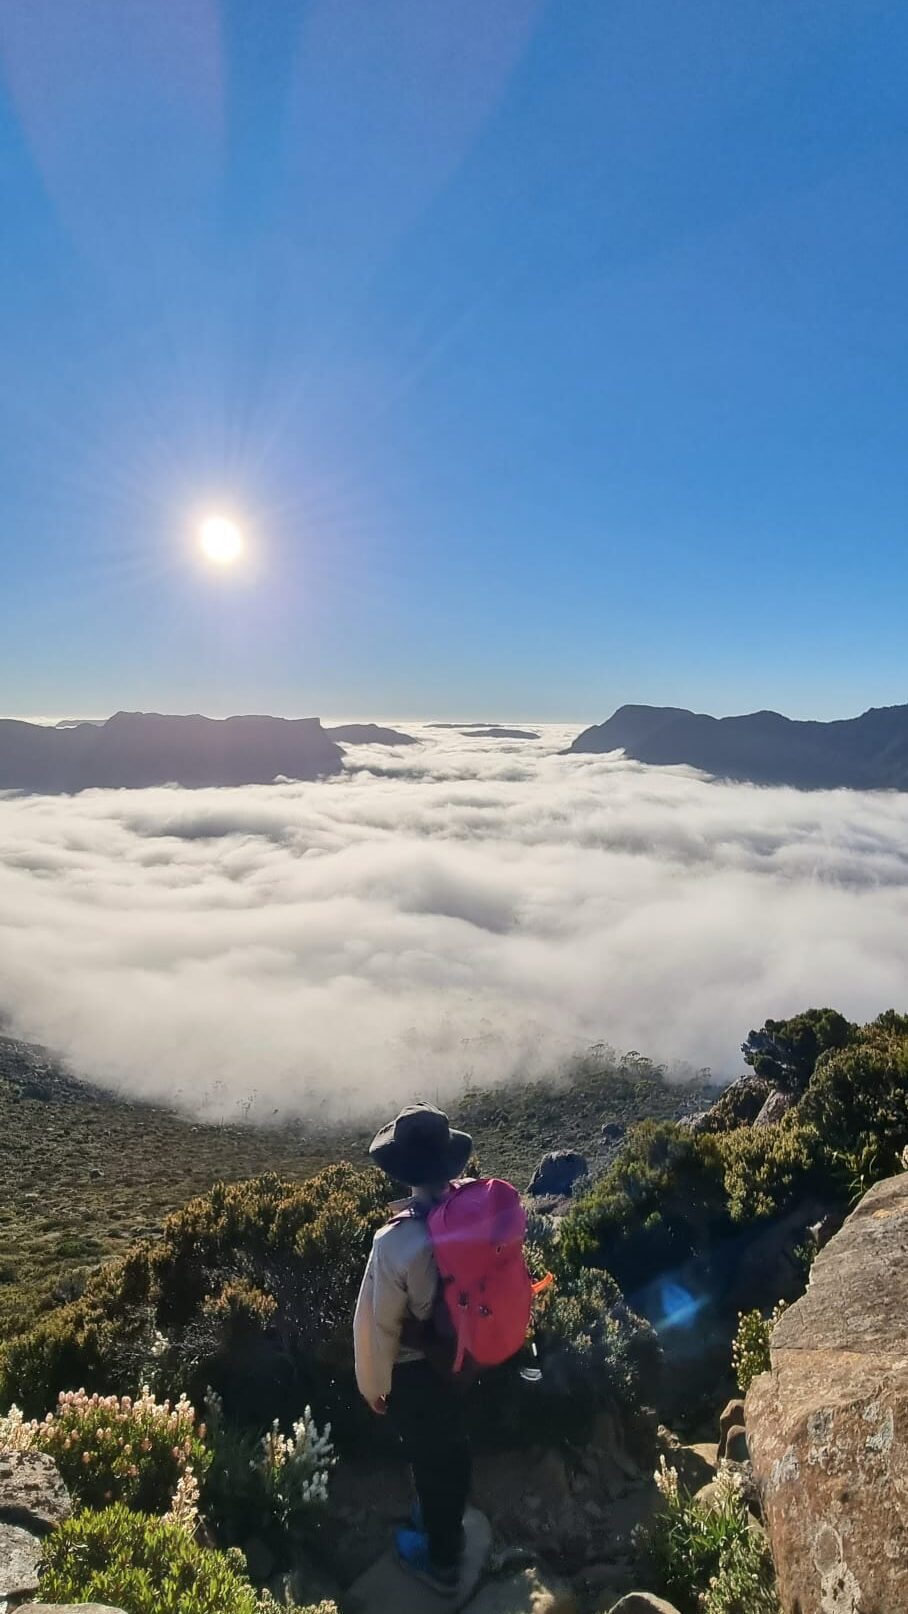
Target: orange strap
{"x": 543, "y": 1284}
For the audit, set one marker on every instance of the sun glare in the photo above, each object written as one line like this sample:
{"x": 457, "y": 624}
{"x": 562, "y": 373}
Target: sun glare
{"x": 221, "y": 540}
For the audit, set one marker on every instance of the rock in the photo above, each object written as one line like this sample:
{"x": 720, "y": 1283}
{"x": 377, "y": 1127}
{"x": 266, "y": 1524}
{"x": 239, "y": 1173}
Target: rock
{"x": 739, "y": 1105}
{"x": 95, "y": 1174}
{"x": 643, "y": 1603}
{"x": 557, "y": 1173}
{"x": 709, "y": 1495}
{"x": 600, "y": 1585}
{"x": 777, "y": 1105}
{"x": 826, "y": 1424}
{"x": 613, "y": 1131}
{"x": 32, "y": 1494}
{"x": 529, "y": 1591}
{"x": 731, "y": 1418}
{"x": 20, "y": 1554}
{"x": 695, "y": 1465}
{"x": 736, "y": 1445}
{"x": 385, "y": 1586}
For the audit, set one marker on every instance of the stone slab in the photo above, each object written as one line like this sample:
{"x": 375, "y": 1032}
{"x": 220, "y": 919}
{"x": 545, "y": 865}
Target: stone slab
{"x": 387, "y": 1589}
{"x": 20, "y": 1554}
{"x": 31, "y": 1491}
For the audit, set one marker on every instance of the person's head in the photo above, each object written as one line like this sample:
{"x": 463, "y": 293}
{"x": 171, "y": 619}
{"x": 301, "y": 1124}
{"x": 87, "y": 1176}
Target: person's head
{"x": 420, "y": 1147}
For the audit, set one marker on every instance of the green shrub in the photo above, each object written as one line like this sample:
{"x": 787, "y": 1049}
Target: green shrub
{"x": 119, "y": 1450}
{"x": 661, "y": 1200}
{"x": 785, "y": 1052}
{"x": 750, "y": 1350}
{"x": 858, "y": 1103}
{"x": 707, "y": 1558}
{"x": 251, "y": 1289}
{"x": 141, "y": 1564}
{"x": 766, "y": 1170}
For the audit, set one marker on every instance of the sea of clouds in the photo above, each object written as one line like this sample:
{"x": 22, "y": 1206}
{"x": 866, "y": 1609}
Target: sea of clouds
{"x": 464, "y": 907}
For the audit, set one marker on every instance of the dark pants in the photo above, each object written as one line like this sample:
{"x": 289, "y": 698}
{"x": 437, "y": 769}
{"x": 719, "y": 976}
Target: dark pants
{"x": 428, "y": 1413}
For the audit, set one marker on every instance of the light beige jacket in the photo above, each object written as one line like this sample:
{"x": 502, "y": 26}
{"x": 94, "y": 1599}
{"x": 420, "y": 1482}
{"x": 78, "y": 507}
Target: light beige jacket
{"x": 401, "y": 1279}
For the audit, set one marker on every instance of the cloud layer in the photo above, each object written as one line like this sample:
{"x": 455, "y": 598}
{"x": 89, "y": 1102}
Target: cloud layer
{"x": 465, "y": 906}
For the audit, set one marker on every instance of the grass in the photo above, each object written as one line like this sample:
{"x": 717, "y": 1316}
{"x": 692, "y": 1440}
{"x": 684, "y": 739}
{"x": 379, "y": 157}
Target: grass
{"x": 87, "y": 1172}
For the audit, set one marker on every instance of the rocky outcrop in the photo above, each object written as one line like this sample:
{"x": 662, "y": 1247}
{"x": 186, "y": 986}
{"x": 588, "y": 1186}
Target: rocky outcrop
{"x": 33, "y": 1499}
{"x": 20, "y": 1554}
{"x": 828, "y": 1425}
{"x": 557, "y": 1173}
{"x": 777, "y": 1105}
{"x": 31, "y": 1491}
{"x": 739, "y": 1105}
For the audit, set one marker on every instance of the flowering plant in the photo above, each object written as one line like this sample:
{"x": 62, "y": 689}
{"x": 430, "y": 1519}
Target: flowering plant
{"x": 705, "y": 1556}
{"x": 295, "y": 1467}
{"x": 116, "y": 1449}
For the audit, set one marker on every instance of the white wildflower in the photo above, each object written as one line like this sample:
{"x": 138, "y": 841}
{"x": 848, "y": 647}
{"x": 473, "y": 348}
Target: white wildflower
{"x": 184, "y": 1506}
{"x": 667, "y": 1480}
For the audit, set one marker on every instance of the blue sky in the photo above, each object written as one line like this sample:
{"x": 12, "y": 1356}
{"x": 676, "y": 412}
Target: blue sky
{"x": 552, "y": 354}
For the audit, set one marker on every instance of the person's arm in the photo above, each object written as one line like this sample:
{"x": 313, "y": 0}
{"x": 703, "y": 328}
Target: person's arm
{"x": 377, "y": 1323}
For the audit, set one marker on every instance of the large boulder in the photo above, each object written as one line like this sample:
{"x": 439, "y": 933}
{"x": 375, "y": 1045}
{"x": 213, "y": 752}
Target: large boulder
{"x": 20, "y": 1555}
{"x": 777, "y": 1105}
{"x": 32, "y": 1493}
{"x": 557, "y": 1173}
{"x": 827, "y": 1425}
{"x": 739, "y": 1105}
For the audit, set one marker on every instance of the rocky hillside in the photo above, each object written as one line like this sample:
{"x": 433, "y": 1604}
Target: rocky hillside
{"x": 860, "y": 753}
{"x": 95, "y": 1170}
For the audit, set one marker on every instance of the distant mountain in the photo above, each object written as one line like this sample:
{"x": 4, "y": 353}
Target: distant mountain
{"x": 134, "y": 749}
{"x": 497, "y": 733}
{"x": 856, "y": 753}
{"x": 370, "y": 734}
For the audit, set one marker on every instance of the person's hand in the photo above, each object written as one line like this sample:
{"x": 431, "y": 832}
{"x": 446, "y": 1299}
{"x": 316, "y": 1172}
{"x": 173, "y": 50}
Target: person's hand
{"x": 380, "y": 1406}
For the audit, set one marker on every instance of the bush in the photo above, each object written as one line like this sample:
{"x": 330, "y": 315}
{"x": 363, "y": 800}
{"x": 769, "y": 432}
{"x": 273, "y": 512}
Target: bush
{"x": 750, "y": 1351}
{"x": 661, "y": 1200}
{"x": 858, "y": 1103}
{"x": 272, "y": 1485}
{"x": 251, "y": 1289}
{"x": 706, "y": 1559}
{"x": 785, "y": 1052}
{"x": 766, "y": 1170}
{"x": 118, "y": 1450}
{"x": 141, "y": 1564}
{"x": 593, "y": 1352}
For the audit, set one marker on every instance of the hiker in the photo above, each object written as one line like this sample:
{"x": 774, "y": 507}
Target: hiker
{"x": 392, "y": 1331}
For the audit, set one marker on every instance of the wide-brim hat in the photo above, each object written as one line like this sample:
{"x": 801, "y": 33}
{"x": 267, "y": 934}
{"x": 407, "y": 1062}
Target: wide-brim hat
{"x": 421, "y": 1146}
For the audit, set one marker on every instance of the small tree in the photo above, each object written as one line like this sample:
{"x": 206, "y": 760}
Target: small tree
{"x": 785, "y": 1052}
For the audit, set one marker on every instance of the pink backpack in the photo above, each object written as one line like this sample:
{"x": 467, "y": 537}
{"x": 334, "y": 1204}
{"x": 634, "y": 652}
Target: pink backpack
{"x": 477, "y": 1235}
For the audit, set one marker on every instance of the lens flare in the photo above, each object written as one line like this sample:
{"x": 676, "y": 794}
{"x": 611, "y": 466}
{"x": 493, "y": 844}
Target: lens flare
{"x": 221, "y": 540}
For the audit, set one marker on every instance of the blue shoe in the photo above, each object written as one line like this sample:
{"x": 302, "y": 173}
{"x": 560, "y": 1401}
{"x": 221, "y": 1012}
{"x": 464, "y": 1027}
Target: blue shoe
{"x": 412, "y": 1552}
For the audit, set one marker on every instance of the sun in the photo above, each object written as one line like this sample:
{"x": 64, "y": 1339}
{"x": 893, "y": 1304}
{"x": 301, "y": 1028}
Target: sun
{"x": 221, "y": 540}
